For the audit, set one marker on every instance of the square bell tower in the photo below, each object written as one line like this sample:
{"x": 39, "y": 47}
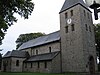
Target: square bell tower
{"x": 78, "y": 50}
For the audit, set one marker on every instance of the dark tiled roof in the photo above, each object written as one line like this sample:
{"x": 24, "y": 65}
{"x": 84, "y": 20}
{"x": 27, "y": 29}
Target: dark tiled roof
{"x": 70, "y": 3}
{"x": 16, "y": 53}
{"x": 41, "y": 40}
{"x": 41, "y": 57}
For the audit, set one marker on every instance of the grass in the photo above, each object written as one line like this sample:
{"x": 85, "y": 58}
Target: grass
{"x": 6, "y": 73}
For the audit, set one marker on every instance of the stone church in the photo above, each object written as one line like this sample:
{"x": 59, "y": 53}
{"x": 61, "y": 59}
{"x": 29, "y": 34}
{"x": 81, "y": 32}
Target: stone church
{"x": 71, "y": 49}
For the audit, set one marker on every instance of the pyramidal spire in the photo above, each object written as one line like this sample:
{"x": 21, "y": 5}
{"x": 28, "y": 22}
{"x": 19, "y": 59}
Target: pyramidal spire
{"x": 71, "y": 3}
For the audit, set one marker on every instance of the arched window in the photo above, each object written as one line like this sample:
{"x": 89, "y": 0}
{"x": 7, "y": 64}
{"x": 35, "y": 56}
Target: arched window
{"x": 71, "y": 12}
{"x": 84, "y": 13}
{"x": 45, "y": 64}
{"x": 17, "y": 63}
{"x": 72, "y": 27}
{"x": 86, "y": 27}
{"x": 66, "y": 15}
{"x": 36, "y": 52}
{"x": 50, "y": 49}
{"x": 66, "y": 29}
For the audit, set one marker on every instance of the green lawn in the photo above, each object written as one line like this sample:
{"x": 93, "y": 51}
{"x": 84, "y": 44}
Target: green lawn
{"x": 6, "y": 73}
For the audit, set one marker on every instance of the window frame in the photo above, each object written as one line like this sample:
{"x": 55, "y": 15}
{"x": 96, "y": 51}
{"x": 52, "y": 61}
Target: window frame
{"x": 17, "y": 63}
{"x": 86, "y": 26}
{"x": 50, "y": 50}
{"x": 73, "y": 27}
{"x": 37, "y": 52}
{"x": 66, "y": 15}
{"x": 71, "y": 12}
{"x": 45, "y": 64}
{"x": 66, "y": 29}
{"x": 38, "y": 64}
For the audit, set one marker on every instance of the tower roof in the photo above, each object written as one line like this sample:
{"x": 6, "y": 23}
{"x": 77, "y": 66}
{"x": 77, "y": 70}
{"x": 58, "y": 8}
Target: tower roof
{"x": 71, "y": 3}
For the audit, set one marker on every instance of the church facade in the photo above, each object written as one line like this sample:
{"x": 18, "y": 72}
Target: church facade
{"x": 71, "y": 49}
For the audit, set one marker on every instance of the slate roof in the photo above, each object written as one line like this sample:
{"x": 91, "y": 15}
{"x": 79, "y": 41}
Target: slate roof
{"x": 16, "y": 53}
{"x": 42, "y": 57}
{"x": 41, "y": 40}
{"x": 70, "y": 3}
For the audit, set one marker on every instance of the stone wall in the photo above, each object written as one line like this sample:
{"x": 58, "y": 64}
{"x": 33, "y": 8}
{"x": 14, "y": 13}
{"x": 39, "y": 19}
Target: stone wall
{"x": 35, "y": 67}
{"x": 77, "y": 45}
{"x": 15, "y": 68}
{"x": 51, "y": 66}
{"x": 55, "y": 46}
{"x": 56, "y": 64}
{"x": 6, "y": 65}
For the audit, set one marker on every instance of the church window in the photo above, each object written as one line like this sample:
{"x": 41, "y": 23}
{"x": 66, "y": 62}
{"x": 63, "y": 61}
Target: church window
{"x": 36, "y": 52}
{"x": 89, "y": 28}
{"x": 71, "y": 12}
{"x": 45, "y": 64}
{"x": 17, "y": 63}
{"x": 84, "y": 13}
{"x": 50, "y": 49}
{"x": 66, "y": 15}
{"x": 88, "y": 15}
{"x": 86, "y": 27}
{"x": 38, "y": 65}
{"x": 72, "y": 27}
{"x": 31, "y": 65}
{"x": 66, "y": 29}
{"x": 31, "y": 52}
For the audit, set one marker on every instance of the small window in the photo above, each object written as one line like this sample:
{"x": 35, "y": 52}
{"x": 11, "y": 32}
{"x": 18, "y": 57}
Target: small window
{"x": 50, "y": 49}
{"x": 31, "y": 65}
{"x": 89, "y": 28}
{"x": 66, "y": 15}
{"x": 66, "y": 29}
{"x": 36, "y": 52}
{"x": 88, "y": 15}
{"x": 71, "y": 12}
{"x": 38, "y": 65}
{"x": 72, "y": 27}
{"x": 86, "y": 27}
{"x": 45, "y": 64}
{"x": 17, "y": 63}
{"x": 84, "y": 13}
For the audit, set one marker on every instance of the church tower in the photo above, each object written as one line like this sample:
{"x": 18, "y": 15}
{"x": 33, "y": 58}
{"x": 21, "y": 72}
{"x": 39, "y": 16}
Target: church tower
{"x": 77, "y": 37}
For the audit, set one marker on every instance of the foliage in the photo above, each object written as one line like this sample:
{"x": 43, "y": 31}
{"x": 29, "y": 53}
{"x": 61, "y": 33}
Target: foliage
{"x": 26, "y": 37}
{"x": 8, "y": 8}
{"x": 97, "y": 37}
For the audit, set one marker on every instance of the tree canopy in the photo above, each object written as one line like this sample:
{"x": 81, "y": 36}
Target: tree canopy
{"x": 26, "y": 37}
{"x": 8, "y": 8}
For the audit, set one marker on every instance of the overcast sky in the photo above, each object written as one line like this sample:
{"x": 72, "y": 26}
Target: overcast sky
{"x": 45, "y": 18}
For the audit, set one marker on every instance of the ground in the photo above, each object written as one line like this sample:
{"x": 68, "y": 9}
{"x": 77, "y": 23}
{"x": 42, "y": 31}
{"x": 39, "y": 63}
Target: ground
{"x": 6, "y": 73}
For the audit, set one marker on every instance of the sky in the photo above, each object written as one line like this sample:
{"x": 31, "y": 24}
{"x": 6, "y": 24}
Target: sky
{"x": 45, "y": 19}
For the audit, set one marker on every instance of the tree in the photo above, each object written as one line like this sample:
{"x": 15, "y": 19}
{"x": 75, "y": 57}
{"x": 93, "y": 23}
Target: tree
{"x": 8, "y": 8}
{"x": 26, "y": 37}
{"x": 97, "y": 37}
